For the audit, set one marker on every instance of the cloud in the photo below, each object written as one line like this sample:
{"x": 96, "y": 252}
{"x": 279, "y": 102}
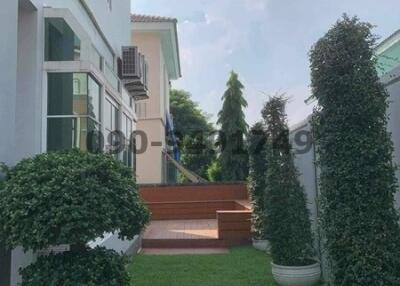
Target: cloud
{"x": 196, "y": 17}
{"x": 265, "y": 41}
{"x": 259, "y": 5}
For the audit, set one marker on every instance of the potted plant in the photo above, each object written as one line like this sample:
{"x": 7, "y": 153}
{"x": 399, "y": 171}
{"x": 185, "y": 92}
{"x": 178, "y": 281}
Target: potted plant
{"x": 257, "y": 184}
{"x": 289, "y": 226}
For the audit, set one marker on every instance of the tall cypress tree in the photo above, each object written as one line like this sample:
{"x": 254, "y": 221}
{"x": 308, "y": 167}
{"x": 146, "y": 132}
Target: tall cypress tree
{"x": 355, "y": 156}
{"x": 233, "y": 157}
{"x": 288, "y": 221}
{"x": 257, "y": 140}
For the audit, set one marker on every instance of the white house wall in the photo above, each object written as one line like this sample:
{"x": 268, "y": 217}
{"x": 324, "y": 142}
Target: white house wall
{"x": 23, "y": 89}
{"x": 8, "y": 78}
{"x": 392, "y": 82}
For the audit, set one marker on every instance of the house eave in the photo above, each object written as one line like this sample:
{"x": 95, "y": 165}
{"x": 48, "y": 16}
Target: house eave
{"x": 170, "y": 44}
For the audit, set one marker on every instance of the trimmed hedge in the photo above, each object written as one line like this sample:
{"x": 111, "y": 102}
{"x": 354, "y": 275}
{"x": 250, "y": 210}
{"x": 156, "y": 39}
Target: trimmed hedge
{"x": 96, "y": 267}
{"x": 288, "y": 226}
{"x": 69, "y": 197}
{"x": 257, "y": 179}
{"x": 355, "y": 157}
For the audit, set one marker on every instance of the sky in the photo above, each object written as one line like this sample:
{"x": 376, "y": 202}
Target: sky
{"x": 266, "y": 42}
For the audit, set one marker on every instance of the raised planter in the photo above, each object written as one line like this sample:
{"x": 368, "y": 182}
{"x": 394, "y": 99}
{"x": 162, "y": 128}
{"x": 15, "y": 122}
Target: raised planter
{"x": 296, "y": 275}
{"x": 262, "y": 245}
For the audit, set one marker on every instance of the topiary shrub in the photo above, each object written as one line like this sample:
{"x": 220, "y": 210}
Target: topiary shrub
{"x": 257, "y": 179}
{"x": 69, "y": 197}
{"x": 289, "y": 226}
{"x": 357, "y": 180}
{"x": 96, "y": 267}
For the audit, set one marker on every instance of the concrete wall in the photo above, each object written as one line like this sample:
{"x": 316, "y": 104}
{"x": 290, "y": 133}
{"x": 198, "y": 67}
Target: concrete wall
{"x": 305, "y": 156}
{"x": 149, "y": 44}
{"x": 149, "y": 164}
{"x": 392, "y": 82}
{"x": 149, "y": 168}
{"x": 8, "y": 79}
{"x": 29, "y": 83}
{"x": 114, "y": 22}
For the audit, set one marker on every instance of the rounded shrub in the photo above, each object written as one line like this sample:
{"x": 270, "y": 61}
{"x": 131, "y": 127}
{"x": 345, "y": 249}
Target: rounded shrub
{"x": 357, "y": 179}
{"x": 257, "y": 177}
{"x": 69, "y": 197}
{"x": 96, "y": 267}
{"x": 288, "y": 226}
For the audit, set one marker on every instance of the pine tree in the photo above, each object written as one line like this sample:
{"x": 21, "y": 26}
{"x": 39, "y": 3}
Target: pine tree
{"x": 357, "y": 179}
{"x": 233, "y": 157}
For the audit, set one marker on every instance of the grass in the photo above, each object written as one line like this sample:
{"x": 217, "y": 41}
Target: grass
{"x": 242, "y": 266}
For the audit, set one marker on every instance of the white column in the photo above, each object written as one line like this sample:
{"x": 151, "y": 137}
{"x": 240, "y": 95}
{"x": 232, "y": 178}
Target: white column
{"x": 8, "y": 78}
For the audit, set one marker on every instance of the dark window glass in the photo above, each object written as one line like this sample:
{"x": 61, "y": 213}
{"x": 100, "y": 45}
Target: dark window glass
{"x": 73, "y": 94}
{"x": 67, "y": 94}
{"x": 61, "y": 43}
{"x": 67, "y": 133}
{"x": 94, "y": 98}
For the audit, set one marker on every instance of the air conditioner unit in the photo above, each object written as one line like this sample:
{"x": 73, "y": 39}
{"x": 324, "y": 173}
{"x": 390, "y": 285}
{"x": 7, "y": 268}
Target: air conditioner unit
{"x": 131, "y": 62}
{"x": 134, "y": 72}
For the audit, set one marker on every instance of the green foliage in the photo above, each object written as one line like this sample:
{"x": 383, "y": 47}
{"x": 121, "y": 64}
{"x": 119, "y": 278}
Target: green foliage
{"x": 192, "y": 128}
{"x": 214, "y": 172}
{"x": 288, "y": 226}
{"x": 97, "y": 267}
{"x": 257, "y": 179}
{"x": 233, "y": 157}
{"x": 69, "y": 197}
{"x": 197, "y": 153}
{"x": 355, "y": 156}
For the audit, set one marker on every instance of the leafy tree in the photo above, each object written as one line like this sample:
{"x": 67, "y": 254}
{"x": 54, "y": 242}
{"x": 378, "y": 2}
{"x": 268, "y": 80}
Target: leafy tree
{"x": 214, "y": 172}
{"x": 288, "y": 226}
{"x": 257, "y": 180}
{"x": 69, "y": 197}
{"x": 93, "y": 267}
{"x": 233, "y": 157}
{"x": 355, "y": 156}
{"x": 193, "y": 130}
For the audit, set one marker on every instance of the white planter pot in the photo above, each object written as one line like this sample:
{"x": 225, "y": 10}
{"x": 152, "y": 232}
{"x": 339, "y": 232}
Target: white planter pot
{"x": 262, "y": 245}
{"x": 296, "y": 275}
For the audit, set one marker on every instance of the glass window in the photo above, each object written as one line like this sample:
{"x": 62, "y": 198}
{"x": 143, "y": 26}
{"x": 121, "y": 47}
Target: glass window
{"x": 128, "y": 153}
{"x": 111, "y": 114}
{"x": 67, "y": 133}
{"x": 73, "y": 112}
{"x": 94, "y": 92}
{"x": 61, "y": 43}
{"x": 73, "y": 94}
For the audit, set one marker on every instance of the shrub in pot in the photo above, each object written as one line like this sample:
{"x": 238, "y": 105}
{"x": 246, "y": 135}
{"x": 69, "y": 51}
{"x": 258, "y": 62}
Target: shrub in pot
{"x": 288, "y": 225}
{"x": 69, "y": 197}
{"x": 257, "y": 184}
{"x": 357, "y": 181}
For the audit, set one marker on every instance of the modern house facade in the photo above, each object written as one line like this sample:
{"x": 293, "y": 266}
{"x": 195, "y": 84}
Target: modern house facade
{"x": 62, "y": 87}
{"x": 156, "y": 38}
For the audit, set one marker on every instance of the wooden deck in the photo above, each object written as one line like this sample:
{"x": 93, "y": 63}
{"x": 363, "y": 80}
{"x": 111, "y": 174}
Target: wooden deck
{"x": 197, "y": 217}
{"x": 182, "y": 229}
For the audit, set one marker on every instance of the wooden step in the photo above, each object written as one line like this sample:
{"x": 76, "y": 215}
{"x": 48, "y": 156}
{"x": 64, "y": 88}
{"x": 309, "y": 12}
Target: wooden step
{"x": 193, "y": 243}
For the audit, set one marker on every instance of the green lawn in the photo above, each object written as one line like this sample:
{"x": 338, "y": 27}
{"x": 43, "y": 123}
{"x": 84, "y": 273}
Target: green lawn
{"x": 241, "y": 267}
